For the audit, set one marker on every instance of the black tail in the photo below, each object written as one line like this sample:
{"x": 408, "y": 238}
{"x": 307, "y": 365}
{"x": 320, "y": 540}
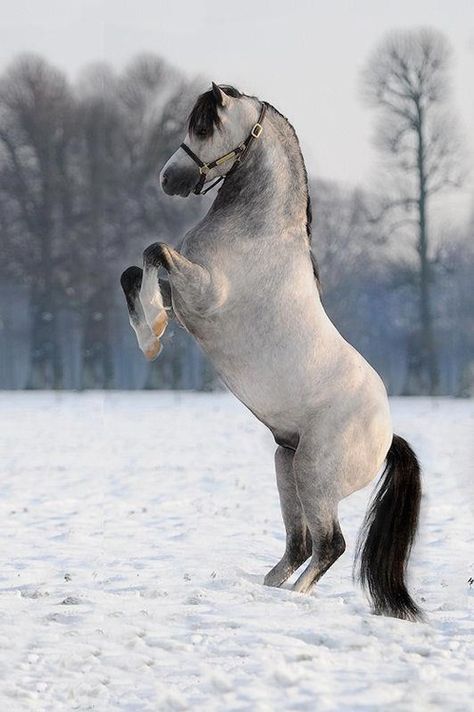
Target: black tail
{"x": 388, "y": 532}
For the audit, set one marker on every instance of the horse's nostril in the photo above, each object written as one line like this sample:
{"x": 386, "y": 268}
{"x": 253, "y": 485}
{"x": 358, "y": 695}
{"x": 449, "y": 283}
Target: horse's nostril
{"x": 164, "y": 179}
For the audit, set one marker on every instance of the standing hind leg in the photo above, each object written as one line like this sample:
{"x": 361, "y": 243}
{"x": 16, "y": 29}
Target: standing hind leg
{"x": 316, "y": 481}
{"x": 298, "y": 539}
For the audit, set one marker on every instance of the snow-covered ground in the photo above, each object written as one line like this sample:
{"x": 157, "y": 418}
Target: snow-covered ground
{"x": 136, "y": 531}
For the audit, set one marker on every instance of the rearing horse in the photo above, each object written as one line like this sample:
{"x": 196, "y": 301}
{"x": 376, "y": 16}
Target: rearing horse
{"x": 245, "y": 285}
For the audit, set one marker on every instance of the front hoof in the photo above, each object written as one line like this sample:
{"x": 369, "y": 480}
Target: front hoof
{"x": 152, "y": 350}
{"x": 131, "y": 281}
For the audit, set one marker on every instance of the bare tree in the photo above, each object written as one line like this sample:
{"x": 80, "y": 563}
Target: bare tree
{"x": 407, "y": 80}
{"x": 36, "y": 126}
{"x": 79, "y": 201}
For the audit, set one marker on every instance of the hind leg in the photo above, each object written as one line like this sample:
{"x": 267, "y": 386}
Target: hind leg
{"x": 298, "y": 539}
{"x": 316, "y": 483}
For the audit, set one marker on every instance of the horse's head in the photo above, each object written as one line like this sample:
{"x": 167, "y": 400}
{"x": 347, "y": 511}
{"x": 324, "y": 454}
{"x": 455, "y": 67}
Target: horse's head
{"x": 221, "y": 126}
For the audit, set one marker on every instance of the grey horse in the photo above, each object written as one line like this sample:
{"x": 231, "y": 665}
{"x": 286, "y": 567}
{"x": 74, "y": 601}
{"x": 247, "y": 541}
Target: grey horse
{"x": 245, "y": 284}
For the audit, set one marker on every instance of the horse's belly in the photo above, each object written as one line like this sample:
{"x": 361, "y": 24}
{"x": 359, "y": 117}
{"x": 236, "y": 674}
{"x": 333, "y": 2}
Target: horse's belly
{"x": 279, "y": 385}
{"x": 288, "y": 368}
{"x": 271, "y": 398}
{"x": 320, "y": 386}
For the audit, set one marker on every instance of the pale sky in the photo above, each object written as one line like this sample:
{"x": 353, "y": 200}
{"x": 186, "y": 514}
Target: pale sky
{"x": 304, "y": 57}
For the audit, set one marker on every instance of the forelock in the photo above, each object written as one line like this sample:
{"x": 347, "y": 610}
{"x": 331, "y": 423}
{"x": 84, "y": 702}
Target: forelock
{"x": 205, "y": 114}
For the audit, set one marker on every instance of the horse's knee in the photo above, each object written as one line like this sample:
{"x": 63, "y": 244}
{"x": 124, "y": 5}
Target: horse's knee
{"x": 156, "y": 255}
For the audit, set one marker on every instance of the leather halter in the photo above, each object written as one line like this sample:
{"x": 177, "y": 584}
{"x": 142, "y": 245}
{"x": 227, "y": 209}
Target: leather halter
{"x": 238, "y": 153}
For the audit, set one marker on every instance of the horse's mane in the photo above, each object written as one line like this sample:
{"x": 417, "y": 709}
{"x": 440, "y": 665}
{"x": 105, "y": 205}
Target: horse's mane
{"x": 309, "y": 212}
{"x": 204, "y": 118}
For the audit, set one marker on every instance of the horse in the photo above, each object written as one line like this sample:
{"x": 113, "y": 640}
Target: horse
{"x": 245, "y": 285}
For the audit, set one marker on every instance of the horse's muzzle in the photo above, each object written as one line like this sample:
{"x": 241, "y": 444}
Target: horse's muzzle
{"x": 178, "y": 181}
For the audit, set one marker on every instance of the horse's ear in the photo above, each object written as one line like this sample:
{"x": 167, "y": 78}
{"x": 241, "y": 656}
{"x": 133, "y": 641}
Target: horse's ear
{"x": 221, "y": 97}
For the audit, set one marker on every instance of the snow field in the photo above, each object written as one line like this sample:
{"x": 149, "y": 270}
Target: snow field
{"x": 136, "y": 532}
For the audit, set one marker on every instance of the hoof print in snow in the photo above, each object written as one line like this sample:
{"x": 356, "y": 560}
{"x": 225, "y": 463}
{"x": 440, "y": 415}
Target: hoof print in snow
{"x": 71, "y": 601}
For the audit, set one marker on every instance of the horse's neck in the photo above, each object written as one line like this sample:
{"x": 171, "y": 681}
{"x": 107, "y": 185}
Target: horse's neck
{"x": 269, "y": 186}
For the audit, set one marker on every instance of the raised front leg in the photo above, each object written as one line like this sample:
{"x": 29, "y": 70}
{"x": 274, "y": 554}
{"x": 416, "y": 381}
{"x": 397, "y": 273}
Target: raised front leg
{"x": 131, "y": 281}
{"x": 165, "y": 289}
{"x": 191, "y": 284}
{"x": 298, "y": 538}
{"x": 151, "y": 297}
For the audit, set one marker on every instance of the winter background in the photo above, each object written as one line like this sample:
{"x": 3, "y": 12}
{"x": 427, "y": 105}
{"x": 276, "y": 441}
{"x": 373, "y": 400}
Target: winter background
{"x": 139, "y": 507}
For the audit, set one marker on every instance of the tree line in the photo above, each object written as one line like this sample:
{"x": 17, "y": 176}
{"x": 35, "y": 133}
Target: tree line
{"x": 79, "y": 200}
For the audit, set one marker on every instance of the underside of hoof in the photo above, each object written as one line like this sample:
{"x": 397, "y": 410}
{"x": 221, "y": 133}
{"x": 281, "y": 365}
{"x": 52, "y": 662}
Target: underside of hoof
{"x": 159, "y": 324}
{"x": 152, "y": 350}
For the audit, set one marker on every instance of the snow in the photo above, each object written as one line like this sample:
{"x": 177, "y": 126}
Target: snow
{"x": 136, "y": 531}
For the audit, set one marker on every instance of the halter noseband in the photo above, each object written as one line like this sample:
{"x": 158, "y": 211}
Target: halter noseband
{"x": 238, "y": 153}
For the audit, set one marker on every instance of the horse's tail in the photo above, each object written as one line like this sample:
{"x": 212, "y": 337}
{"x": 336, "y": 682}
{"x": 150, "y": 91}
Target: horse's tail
{"x": 388, "y": 532}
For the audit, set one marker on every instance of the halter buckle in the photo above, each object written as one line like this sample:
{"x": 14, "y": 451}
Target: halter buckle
{"x": 204, "y": 170}
{"x": 257, "y": 130}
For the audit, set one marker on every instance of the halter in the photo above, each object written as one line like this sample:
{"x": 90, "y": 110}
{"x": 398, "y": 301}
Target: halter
{"x": 238, "y": 153}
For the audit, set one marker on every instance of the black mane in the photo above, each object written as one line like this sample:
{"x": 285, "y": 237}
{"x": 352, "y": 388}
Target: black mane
{"x": 204, "y": 116}
{"x": 309, "y": 212}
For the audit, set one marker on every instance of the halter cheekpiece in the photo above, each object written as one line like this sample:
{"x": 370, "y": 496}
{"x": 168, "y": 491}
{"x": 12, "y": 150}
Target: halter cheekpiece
{"x": 238, "y": 153}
